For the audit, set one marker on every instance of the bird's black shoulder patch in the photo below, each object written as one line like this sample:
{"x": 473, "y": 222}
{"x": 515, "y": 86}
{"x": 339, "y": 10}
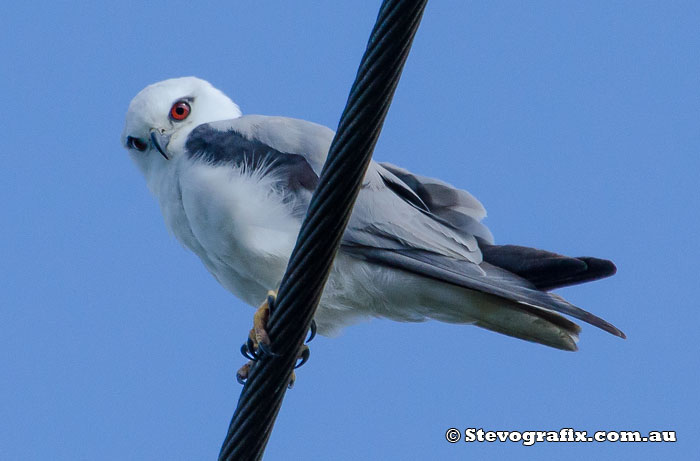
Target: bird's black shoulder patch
{"x": 214, "y": 146}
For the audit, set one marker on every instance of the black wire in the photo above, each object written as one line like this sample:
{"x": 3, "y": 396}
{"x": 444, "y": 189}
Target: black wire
{"x": 322, "y": 229}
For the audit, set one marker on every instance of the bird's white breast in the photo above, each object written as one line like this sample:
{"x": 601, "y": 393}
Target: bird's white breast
{"x": 235, "y": 220}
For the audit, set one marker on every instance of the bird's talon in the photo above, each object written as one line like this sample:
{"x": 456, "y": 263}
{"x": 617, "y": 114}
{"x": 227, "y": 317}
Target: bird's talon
{"x": 312, "y": 331}
{"x": 242, "y": 373}
{"x": 303, "y": 357}
{"x": 258, "y": 342}
{"x": 251, "y": 346}
{"x": 248, "y": 352}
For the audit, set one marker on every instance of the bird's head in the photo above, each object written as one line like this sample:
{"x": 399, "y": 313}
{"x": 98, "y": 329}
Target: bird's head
{"x": 162, "y": 115}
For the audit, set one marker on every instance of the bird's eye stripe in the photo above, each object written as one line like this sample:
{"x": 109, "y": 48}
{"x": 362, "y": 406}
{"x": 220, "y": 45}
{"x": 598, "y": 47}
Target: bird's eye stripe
{"x": 136, "y": 143}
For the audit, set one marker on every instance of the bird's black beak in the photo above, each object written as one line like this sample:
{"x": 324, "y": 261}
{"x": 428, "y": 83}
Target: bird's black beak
{"x": 160, "y": 141}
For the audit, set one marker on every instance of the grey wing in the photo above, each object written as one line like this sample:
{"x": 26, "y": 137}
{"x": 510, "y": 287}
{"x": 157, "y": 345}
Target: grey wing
{"x": 390, "y": 215}
{"x": 401, "y": 220}
{"x": 394, "y": 225}
{"x": 544, "y": 269}
{"x": 456, "y": 206}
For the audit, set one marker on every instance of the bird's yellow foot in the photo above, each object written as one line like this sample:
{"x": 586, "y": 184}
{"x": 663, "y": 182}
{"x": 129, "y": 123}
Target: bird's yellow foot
{"x": 258, "y": 342}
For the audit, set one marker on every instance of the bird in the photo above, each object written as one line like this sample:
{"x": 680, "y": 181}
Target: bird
{"x": 234, "y": 190}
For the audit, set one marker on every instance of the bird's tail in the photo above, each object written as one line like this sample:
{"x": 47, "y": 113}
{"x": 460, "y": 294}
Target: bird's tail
{"x": 527, "y": 322}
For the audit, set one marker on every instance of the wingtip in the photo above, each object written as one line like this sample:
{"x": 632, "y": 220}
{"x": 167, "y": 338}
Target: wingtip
{"x": 612, "y": 329}
{"x": 602, "y": 268}
{"x": 609, "y": 327}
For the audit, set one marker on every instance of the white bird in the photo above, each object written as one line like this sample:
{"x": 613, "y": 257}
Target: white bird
{"x": 234, "y": 189}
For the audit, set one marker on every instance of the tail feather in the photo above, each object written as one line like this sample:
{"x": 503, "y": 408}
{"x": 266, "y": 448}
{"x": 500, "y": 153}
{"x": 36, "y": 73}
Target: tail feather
{"x": 531, "y": 324}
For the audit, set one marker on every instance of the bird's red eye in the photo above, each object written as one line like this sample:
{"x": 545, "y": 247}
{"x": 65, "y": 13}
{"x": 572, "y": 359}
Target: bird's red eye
{"x": 180, "y": 110}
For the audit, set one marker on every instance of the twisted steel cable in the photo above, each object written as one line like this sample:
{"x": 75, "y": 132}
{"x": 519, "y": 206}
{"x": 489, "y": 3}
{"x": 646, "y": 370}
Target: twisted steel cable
{"x": 323, "y": 227}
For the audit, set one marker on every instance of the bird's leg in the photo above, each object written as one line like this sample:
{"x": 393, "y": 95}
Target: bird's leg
{"x": 258, "y": 336}
{"x": 258, "y": 342}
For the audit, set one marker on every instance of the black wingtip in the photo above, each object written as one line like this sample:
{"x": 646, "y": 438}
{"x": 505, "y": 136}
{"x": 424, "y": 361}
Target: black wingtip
{"x": 546, "y": 270}
{"x": 600, "y": 268}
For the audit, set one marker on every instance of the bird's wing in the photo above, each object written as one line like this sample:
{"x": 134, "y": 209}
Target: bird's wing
{"x": 393, "y": 225}
{"x": 294, "y": 151}
{"x": 400, "y": 220}
{"x": 544, "y": 269}
{"x": 389, "y": 215}
{"x": 456, "y": 206}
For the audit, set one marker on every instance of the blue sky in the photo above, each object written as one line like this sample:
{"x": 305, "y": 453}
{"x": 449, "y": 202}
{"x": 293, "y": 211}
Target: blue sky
{"x": 576, "y": 124}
